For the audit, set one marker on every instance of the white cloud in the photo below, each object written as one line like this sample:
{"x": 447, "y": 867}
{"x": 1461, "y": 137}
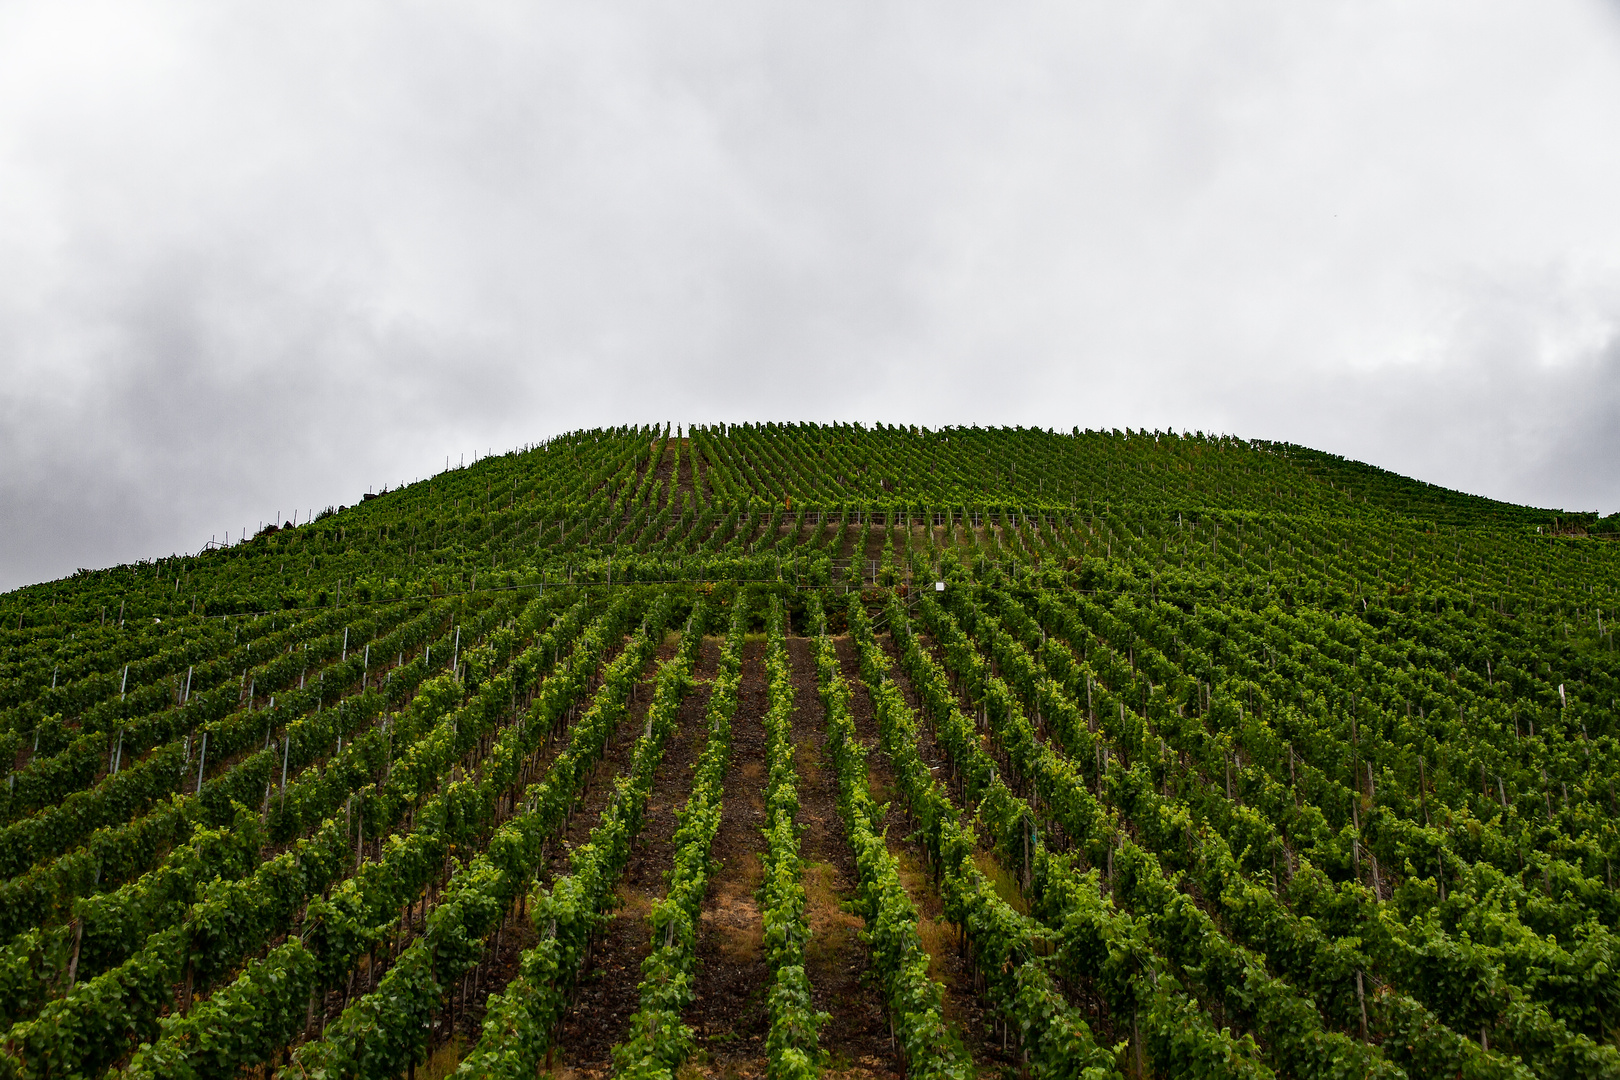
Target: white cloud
{"x": 258, "y": 258}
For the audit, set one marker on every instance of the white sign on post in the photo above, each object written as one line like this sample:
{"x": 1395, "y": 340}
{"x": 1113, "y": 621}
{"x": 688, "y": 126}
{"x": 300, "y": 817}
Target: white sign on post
{"x": 939, "y": 586}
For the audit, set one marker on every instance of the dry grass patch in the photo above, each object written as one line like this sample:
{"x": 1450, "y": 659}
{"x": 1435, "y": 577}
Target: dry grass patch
{"x": 732, "y": 914}
{"x": 834, "y": 931}
{"x": 1004, "y": 880}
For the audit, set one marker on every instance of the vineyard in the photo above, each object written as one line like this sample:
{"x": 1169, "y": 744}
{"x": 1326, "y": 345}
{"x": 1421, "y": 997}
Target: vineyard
{"x": 797, "y": 750}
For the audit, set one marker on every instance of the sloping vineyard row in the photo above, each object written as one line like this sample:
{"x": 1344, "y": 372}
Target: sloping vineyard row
{"x": 1111, "y": 840}
{"x": 233, "y": 918}
{"x": 1222, "y": 758}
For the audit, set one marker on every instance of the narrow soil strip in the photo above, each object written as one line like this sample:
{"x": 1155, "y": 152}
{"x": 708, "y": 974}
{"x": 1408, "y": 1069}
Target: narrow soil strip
{"x": 964, "y": 1009}
{"x": 1005, "y": 879}
{"x": 835, "y": 959}
{"x": 607, "y": 990}
{"x": 501, "y": 960}
{"x": 729, "y": 1016}
{"x": 501, "y": 965}
{"x": 496, "y": 971}
{"x": 877, "y": 538}
{"x": 851, "y": 542}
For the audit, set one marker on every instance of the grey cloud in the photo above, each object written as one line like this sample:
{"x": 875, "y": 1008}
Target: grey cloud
{"x": 258, "y": 260}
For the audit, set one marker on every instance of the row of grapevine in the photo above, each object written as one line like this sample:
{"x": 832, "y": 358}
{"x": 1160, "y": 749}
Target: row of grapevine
{"x": 45, "y": 894}
{"x": 792, "y": 1051}
{"x": 1106, "y": 946}
{"x": 1413, "y": 1030}
{"x": 1224, "y": 971}
{"x": 231, "y": 920}
{"x": 658, "y": 1042}
{"x": 107, "y": 926}
{"x": 1233, "y": 978}
{"x": 134, "y": 700}
{"x": 114, "y": 677}
{"x": 75, "y": 814}
{"x": 1332, "y": 850}
{"x": 928, "y": 1047}
{"x": 1335, "y": 778}
{"x": 387, "y": 1029}
{"x": 340, "y": 784}
{"x": 520, "y": 1022}
{"x": 1417, "y": 952}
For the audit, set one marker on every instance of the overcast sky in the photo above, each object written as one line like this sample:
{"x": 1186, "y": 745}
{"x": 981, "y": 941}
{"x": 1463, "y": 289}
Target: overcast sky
{"x": 259, "y": 257}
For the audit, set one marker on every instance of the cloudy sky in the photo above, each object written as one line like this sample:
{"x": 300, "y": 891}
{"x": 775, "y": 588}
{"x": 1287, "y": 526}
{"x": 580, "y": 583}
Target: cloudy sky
{"x": 259, "y": 257}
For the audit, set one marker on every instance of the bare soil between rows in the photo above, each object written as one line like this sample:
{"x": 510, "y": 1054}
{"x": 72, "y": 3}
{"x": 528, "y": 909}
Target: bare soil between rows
{"x": 964, "y": 1009}
{"x": 729, "y": 1016}
{"x": 607, "y": 989}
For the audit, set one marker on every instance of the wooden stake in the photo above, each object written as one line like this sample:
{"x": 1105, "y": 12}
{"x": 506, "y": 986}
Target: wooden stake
{"x": 1361, "y": 1000}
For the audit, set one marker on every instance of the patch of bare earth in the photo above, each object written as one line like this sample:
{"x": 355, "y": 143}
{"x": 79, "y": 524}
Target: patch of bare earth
{"x": 964, "y": 1009}
{"x": 856, "y": 1035}
{"x": 728, "y": 1015}
{"x": 607, "y": 994}
{"x": 457, "y": 1030}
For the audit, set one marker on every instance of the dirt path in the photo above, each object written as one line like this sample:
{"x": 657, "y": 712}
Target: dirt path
{"x": 607, "y": 990}
{"x": 964, "y": 1009}
{"x": 836, "y": 959}
{"x": 728, "y": 1014}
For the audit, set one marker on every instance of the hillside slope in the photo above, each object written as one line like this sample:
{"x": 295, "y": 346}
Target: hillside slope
{"x": 773, "y": 749}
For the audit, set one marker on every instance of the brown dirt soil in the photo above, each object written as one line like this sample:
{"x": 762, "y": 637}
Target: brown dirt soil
{"x": 964, "y": 1009}
{"x": 1005, "y": 879}
{"x": 499, "y": 967}
{"x": 607, "y": 989}
{"x": 664, "y": 467}
{"x": 728, "y": 1015}
{"x": 877, "y": 538}
{"x": 848, "y": 543}
{"x": 516, "y": 936}
{"x": 856, "y": 1036}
